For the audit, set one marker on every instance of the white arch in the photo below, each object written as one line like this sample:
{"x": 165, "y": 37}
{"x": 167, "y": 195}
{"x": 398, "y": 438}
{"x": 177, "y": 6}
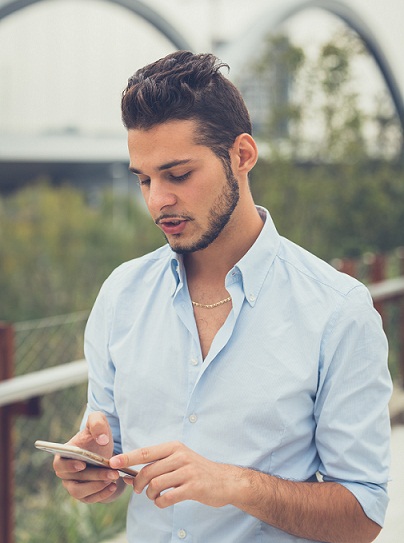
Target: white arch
{"x": 7, "y": 7}
{"x": 238, "y": 52}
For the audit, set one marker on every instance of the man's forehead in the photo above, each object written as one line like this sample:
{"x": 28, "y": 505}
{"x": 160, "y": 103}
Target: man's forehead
{"x": 186, "y": 127}
{"x": 164, "y": 146}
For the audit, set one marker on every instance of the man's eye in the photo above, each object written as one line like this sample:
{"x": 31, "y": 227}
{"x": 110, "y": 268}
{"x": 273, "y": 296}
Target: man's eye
{"x": 180, "y": 178}
{"x": 143, "y": 182}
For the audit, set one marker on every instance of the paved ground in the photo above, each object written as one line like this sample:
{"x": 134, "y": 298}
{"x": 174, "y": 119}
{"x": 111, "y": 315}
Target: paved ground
{"x": 393, "y": 531}
{"x": 121, "y": 538}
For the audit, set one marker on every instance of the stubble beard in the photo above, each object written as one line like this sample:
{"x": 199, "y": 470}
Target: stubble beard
{"x": 219, "y": 216}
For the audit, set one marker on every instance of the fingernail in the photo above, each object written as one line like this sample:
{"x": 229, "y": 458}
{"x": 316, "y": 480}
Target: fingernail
{"x": 102, "y": 439}
{"x": 112, "y": 475}
{"x": 79, "y": 466}
{"x": 115, "y": 462}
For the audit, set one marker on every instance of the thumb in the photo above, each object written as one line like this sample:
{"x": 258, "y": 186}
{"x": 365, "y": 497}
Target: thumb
{"x": 97, "y": 425}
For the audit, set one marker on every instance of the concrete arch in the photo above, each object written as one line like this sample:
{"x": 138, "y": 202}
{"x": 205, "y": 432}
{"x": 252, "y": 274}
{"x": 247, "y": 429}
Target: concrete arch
{"x": 7, "y": 7}
{"x": 239, "y": 51}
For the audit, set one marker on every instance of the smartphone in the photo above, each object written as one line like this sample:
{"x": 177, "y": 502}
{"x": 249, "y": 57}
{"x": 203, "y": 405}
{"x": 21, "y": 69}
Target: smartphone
{"x": 70, "y": 451}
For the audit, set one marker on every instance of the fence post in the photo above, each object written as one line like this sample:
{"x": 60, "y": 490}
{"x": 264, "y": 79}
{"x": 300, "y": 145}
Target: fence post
{"x": 6, "y": 448}
{"x": 378, "y": 273}
{"x": 348, "y": 266}
{"x": 400, "y": 256}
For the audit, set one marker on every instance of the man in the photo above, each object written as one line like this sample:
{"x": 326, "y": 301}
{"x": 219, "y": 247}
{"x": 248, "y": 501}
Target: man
{"x": 246, "y": 376}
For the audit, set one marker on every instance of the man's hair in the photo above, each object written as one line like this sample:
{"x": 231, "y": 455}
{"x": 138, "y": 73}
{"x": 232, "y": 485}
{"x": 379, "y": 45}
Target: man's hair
{"x": 185, "y": 86}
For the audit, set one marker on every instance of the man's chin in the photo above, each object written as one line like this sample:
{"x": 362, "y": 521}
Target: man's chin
{"x": 182, "y": 248}
{"x": 202, "y": 243}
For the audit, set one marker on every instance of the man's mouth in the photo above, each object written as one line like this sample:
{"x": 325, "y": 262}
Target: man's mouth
{"x": 171, "y": 226}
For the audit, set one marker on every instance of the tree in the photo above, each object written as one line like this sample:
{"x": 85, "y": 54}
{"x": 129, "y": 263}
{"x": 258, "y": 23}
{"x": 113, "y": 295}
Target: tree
{"x": 315, "y": 103}
{"x": 56, "y": 250}
{"x": 333, "y": 179}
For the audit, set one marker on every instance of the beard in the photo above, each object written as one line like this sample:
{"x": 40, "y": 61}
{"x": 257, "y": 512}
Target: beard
{"x": 219, "y": 216}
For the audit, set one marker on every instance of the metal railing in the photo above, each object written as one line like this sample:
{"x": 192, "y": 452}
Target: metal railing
{"x": 38, "y": 400}
{"x": 41, "y": 382}
{"x": 44, "y": 401}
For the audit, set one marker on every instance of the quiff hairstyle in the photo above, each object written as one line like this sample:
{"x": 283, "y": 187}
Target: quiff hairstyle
{"x": 186, "y": 86}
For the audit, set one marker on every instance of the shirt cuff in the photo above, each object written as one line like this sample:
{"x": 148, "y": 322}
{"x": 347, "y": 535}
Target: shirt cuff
{"x": 372, "y": 498}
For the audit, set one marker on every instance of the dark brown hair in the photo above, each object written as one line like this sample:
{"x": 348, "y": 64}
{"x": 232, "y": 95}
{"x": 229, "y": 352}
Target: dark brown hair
{"x": 184, "y": 86}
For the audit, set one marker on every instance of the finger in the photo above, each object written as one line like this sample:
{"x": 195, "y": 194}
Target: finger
{"x": 171, "y": 497}
{"x": 163, "y": 483}
{"x": 151, "y": 472}
{"x": 61, "y": 465}
{"x": 145, "y": 455}
{"x": 68, "y": 471}
{"x": 98, "y": 427}
{"x": 90, "y": 492}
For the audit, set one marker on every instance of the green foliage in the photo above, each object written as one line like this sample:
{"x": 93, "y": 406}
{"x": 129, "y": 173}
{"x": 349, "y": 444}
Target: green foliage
{"x": 56, "y": 250}
{"x": 70, "y": 520}
{"x": 334, "y": 178}
{"x": 321, "y": 106}
{"x": 336, "y": 210}
{"x": 279, "y": 68}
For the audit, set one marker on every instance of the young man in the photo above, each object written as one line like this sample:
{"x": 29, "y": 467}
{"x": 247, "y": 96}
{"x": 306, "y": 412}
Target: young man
{"x": 246, "y": 376}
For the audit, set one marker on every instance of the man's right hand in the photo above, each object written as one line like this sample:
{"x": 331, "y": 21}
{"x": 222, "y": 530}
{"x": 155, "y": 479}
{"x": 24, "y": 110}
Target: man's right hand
{"x": 91, "y": 484}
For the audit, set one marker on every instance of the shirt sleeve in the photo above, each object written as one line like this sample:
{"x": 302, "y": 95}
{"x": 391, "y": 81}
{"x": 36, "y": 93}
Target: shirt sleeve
{"x": 101, "y": 369}
{"x": 351, "y": 410}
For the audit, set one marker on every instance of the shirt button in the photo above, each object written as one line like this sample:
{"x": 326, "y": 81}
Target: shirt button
{"x": 251, "y": 298}
{"x": 194, "y": 361}
{"x": 193, "y": 418}
{"x": 182, "y": 534}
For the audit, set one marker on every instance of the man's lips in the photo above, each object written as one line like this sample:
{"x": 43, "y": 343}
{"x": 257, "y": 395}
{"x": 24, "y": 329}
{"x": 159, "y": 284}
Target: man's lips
{"x": 170, "y": 226}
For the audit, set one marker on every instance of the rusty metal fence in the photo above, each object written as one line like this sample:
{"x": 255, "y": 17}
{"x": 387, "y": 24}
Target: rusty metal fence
{"x": 44, "y": 343}
{"x": 41, "y": 510}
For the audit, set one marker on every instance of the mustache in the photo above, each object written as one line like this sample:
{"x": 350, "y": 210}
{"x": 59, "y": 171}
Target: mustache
{"x": 172, "y": 217}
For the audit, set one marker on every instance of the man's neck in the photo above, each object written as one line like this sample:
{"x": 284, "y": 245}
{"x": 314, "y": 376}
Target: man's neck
{"x": 214, "y": 262}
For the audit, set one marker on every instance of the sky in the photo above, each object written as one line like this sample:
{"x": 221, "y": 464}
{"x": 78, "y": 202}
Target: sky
{"x": 64, "y": 63}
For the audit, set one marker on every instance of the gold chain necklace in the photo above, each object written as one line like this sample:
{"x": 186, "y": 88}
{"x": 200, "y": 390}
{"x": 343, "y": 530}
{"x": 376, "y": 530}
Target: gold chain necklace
{"x": 211, "y": 306}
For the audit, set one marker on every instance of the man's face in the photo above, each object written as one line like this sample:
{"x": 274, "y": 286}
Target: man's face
{"x": 189, "y": 193}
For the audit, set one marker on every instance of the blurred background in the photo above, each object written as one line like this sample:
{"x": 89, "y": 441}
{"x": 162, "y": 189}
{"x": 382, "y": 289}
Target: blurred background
{"x": 324, "y": 82}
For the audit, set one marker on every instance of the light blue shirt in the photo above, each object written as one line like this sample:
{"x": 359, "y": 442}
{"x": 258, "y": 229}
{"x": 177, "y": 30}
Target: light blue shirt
{"x": 295, "y": 382}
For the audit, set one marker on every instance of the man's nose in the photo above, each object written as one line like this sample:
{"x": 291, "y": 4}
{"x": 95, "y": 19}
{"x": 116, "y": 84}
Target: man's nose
{"x": 160, "y": 196}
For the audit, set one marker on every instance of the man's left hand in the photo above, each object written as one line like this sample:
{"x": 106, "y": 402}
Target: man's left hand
{"x": 174, "y": 473}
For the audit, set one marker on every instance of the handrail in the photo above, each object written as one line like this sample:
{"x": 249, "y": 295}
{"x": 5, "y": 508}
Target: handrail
{"x": 387, "y": 289}
{"x": 32, "y": 385}
{"x": 38, "y": 383}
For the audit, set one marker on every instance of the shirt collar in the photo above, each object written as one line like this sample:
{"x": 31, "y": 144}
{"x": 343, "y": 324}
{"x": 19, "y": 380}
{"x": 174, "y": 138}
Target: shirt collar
{"x": 178, "y": 271}
{"x": 253, "y": 266}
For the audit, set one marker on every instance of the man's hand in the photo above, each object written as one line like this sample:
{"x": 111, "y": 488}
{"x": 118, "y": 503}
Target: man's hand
{"x": 85, "y": 483}
{"x": 175, "y": 473}
{"x": 314, "y": 511}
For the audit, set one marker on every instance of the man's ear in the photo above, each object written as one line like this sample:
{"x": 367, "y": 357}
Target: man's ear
{"x": 245, "y": 153}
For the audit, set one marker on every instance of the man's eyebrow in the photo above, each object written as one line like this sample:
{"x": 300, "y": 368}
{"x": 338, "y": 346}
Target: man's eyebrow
{"x": 165, "y": 166}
